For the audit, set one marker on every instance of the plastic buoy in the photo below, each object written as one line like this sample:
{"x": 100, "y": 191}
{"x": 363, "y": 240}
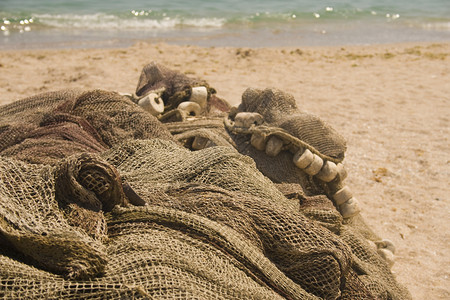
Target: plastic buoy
{"x": 388, "y": 256}
{"x": 341, "y": 171}
{"x": 350, "y": 208}
{"x": 328, "y": 172}
{"x": 199, "y": 95}
{"x": 273, "y": 146}
{"x": 247, "y": 119}
{"x": 315, "y": 165}
{"x": 343, "y": 195}
{"x": 302, "y": 159}
{"x": 199, "y": 143}
{"x": 386, "y": 244}
{"x": 191, "y": 108}
{"x": 258, "y": 141}
{"x": 152, "y": 103}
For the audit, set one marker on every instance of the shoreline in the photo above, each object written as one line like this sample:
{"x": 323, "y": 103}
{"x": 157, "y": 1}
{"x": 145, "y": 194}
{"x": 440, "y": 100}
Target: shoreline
{"x": 306, "y": 34}
{"x": 391, "y": 102}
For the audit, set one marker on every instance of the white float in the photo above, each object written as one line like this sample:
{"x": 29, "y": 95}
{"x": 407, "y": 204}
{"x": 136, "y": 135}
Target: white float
{"x": 386, "y": 244}
{"x": 199, "y": 95}
{"x": 302, "y": 159}
{"x": 247, "y": 119}
{"x": 274, "y": 146}
{"x": 191, "y": 108}
{"x": 328, "y": 172}
{"x": 152, "y": 103}
{"x": 342, "y": 195}
{"x": 341, "y": 171}
{"x": 315, "y": 166}
{"x": 388, "y": 256}
{"x": 258, "y": 141}
{"x": 350, "y": 208}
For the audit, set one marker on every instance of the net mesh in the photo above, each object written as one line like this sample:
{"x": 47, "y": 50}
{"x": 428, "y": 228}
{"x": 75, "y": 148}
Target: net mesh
{"x": 51, "y": 126}
{"x": 174, "y": 87}
{"x": 119, "y": 207}
{"x": 279, "y": 109}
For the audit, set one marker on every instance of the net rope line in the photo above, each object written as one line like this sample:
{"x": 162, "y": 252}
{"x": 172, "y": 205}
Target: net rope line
{"x": 267, "y": 131}
{"x": 285, "y": 238}
{"x": 222, "y": 236}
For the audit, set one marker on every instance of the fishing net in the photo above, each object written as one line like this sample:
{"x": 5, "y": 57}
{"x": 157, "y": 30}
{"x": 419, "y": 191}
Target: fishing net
{"x": 100, "y": 200}
{"x": 174, "y": 87}
{"x": 51, "y": 126}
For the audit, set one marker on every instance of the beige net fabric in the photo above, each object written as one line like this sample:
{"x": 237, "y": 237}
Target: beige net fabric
{"x": 35, "y": 230}
{"x": 282, "y": 118}
{"x": 174, "y": 87}
{"x": 246, "y": 202}
{"x": 252, "y": 223}
{"x": 196, "y": 239}
{"x": 211, "y": 128}
{"x": 117, "y": 208}
{"x": 51, "y": 126}
{"x": 19, "y": 119}
{"x": 115, "y": 117}
{"x": 280, "y": 110}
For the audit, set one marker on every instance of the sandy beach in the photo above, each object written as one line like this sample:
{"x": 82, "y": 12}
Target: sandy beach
{"x": 391, "y": 103}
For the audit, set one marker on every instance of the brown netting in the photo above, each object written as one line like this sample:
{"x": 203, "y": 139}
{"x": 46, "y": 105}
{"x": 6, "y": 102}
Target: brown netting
{"x": 297, "y": 129}
{"x": 20, "y": 118}
{"x": 174, "y": 87}
{"x": 60, "y": 124}
{"x": 115, "y": 117}
{"x": 85, "y": 186}
{"x": 282, "y": 118}
{"x": 255, "y": 208}
{"x": 215, "y": 223}
{"x": 34, "y": 229}
{"x": 30, "y": 110}
{"x": 58, "y": 136}
{"x": 279, "y": 109}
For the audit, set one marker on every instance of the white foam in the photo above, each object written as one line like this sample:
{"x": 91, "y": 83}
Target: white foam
{"x": 437, "y": 26}
{"x": 205, "y": 22}
{"x": 105, "y": 21}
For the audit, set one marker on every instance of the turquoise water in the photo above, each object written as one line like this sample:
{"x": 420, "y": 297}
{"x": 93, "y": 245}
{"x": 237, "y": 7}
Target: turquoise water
{"x": 83, "y": 23}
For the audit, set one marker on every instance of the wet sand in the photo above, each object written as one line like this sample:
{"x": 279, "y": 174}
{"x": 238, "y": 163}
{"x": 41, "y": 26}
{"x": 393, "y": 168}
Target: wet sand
{"x": 391, "y": 103}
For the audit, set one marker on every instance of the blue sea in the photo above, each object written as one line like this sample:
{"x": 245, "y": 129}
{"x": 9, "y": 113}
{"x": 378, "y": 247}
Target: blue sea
{"x": 30, "y": 24}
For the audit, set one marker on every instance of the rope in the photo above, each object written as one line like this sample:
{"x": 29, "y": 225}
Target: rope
{"x": 267, "y": 131}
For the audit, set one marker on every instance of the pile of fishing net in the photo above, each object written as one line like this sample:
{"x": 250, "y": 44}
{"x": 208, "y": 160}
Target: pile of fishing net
{"x": 103, "y": 197}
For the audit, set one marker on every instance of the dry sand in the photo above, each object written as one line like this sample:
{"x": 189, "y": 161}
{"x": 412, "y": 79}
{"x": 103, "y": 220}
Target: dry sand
{"x": 391, "y": 102}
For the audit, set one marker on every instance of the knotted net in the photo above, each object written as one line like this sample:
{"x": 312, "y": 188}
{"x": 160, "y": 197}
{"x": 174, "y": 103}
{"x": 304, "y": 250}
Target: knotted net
{"x": 119, "y": 207}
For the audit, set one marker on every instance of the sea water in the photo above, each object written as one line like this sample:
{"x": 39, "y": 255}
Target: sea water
{"x": 111, "y": 23}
